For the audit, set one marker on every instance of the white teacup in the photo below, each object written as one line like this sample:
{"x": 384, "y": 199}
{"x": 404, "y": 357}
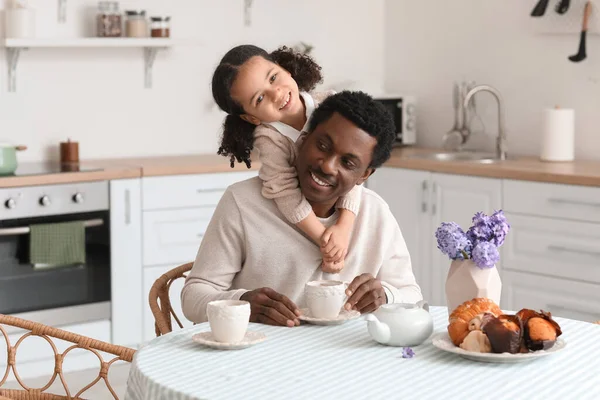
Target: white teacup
{"x": 325, "y": 298}
{"x": 228, "y": 319}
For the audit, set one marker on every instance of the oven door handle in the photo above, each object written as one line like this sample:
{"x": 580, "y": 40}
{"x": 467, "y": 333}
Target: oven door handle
{"x": 24, "y": 230}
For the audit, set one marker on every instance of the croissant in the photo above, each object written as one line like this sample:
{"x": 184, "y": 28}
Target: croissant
{"x": 467, "y": 317}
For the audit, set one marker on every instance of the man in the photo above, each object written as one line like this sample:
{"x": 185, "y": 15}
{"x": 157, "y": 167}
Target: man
{"x": 250, "y": 252}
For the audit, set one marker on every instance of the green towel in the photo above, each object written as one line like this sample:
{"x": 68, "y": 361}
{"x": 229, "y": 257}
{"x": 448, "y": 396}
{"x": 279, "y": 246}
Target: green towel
{"x": 55, "y": 245}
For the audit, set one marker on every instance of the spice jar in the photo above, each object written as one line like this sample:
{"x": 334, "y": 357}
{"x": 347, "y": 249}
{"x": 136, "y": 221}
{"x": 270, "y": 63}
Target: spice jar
{"x": 108, "y": 20}
{"x": 160, "y": 27}
{"x": 136, "y": 25}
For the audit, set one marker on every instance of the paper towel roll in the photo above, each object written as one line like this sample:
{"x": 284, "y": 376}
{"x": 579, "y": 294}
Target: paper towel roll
{"x": 558, "y": 141}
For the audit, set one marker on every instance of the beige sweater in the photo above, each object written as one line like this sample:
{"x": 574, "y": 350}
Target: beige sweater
{"x": 248, "y": 244}
{"x": 278, "y": 154}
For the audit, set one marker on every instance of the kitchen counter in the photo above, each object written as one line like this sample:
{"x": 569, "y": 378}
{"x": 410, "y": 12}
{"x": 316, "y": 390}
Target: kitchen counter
{"x": 585, "y": 173}
{"x": 188, "y": 164}
{"x": 103, "y": 170}
{"x": 527, "y": 168}
{"x": 124, "y": 168}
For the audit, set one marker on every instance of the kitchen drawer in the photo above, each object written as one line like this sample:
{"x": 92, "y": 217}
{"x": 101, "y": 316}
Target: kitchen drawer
{"x": 552, "y": 200}
{"x": 566, "y": 249}
{"x": 161, "y": 192}
{"x": 173, "y": 236}
{"x": 150, "y": 276}
{"x": 562, "y": 297}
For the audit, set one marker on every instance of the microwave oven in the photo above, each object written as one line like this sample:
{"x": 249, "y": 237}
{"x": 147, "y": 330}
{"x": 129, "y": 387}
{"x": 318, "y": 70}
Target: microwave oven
{"x": 404, "y": 112}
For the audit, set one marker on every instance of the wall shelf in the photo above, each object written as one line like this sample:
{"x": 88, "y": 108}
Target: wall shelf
{"x": 150, "y": 46}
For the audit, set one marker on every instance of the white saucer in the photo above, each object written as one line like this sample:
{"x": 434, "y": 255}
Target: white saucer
{"x": 342, "y": 317}
{"x": 207, "y": 339}
{"x": 442, "y": 341}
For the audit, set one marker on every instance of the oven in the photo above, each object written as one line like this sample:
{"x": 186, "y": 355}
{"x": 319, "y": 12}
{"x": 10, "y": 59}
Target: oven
{"x": 55, "y": 295}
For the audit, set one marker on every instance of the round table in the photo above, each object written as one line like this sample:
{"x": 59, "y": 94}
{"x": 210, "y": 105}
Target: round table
{"x": 343, "y": 362}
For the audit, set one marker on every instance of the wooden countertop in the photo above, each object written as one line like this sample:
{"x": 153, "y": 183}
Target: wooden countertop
{"x": 586, "y": 173}
{"x": 124, "y": 168}
{"x": 527, "y": 168}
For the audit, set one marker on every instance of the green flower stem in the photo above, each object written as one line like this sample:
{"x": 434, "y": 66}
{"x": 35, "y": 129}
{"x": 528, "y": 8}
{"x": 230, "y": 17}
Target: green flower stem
{"x": 465, "y": 255}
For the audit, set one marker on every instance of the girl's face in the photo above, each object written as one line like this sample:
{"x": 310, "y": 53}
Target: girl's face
{"x": 267, "y": 92}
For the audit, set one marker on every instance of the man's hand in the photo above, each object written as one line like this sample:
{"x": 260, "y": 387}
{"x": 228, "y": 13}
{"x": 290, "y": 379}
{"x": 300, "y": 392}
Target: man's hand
{"x": 272, "y": 308}
{"x": 365, "y": 294}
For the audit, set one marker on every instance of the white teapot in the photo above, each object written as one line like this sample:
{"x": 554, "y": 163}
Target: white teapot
{"x": 400, "y": 324}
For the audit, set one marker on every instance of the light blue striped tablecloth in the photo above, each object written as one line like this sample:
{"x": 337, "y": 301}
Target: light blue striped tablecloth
{"x": 343, "y": 362}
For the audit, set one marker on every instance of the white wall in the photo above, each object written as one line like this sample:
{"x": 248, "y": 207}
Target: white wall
{"x": 432, "y": 43}
{"x": 96, "y": 96}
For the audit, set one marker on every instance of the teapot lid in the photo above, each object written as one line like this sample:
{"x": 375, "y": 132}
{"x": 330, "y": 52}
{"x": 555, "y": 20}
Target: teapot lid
{"x": 394, "y": 307}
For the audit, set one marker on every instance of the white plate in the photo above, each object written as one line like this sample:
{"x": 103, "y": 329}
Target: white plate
{"x": 442, "y": 341}
{"x": 207, "y": 339}
{"x": 342, "y": 317}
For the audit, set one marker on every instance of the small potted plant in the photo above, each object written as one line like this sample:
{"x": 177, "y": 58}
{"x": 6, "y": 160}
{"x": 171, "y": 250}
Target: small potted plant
{"x": 474, "y": 255}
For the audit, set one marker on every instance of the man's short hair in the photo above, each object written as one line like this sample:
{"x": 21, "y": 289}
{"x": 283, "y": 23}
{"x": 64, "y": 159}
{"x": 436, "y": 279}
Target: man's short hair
{"x": 364, "y": 112}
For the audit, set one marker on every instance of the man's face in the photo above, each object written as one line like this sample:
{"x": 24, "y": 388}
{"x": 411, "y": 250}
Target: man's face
{"x": 333, "y": 159}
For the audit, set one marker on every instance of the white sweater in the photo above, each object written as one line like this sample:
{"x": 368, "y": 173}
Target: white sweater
{"x": 249, "y": 244}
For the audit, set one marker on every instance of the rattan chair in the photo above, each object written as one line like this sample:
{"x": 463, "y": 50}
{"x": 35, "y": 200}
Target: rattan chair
{"x": 47, "y": 333}
{"x": 162, "y": 310}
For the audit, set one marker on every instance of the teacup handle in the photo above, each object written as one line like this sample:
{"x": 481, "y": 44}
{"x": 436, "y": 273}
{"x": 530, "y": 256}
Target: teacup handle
{"x": 424, "y": 305}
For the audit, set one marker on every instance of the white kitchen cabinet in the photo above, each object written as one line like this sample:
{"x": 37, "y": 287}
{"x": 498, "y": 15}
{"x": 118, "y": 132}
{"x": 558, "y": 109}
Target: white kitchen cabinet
{"x": 562, "y": 297}
{"x": 184, "y": 191}
{"x": 552, "y": 200}
{"x": 553, "y": 247}
{"x": 126, "y": 261}
{"x": 175, "y": 213}
{"x": 421, "y": 201}
{"x": 456, "y": 198}
{"x": 151, "y": 274}
{"x": 173, "y": 236}
{"x": 407, "y": 194}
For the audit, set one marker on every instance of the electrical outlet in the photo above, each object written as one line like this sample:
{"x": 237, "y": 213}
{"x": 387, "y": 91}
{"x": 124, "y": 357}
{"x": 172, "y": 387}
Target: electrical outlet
{"x": 552, "y": 23}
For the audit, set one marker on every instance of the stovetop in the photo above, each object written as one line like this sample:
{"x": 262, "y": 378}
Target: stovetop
{"x": 27, "y": 169}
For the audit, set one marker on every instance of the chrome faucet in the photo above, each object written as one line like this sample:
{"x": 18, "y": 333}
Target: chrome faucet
{"x": 501, "y": 145}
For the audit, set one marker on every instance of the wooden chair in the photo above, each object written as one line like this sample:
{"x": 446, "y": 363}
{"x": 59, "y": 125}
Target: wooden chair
{"x": 47, "y": 333}
{"x": 160, "y": 291}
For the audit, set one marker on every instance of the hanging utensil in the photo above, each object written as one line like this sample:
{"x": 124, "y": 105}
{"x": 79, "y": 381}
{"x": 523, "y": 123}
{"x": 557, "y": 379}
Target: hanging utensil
{"x": 581, "y": 53}
{"x": 562, "y": 6}
{"x": 453, "y": 139}
{"x": 540, "y": 8}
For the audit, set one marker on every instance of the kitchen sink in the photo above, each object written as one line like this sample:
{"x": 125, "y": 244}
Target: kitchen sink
{"x": 471, "y": 156}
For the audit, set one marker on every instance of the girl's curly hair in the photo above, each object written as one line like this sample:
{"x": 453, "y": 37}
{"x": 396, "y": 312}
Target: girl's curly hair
{"x": 237, "y": 140}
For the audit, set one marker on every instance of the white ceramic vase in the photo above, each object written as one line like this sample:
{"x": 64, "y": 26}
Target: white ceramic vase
{"x": 466, "y": 281}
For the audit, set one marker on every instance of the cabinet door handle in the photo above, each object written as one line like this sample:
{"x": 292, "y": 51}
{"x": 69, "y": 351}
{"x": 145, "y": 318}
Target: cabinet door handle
{"x": 424, "y": 196}
{"x": 563, "y": 249}
{"x": 573, "y": 202}
{"x": 433, "y": 199}
{"x": 127, "y": 207}
{"x": 554, "y": 308}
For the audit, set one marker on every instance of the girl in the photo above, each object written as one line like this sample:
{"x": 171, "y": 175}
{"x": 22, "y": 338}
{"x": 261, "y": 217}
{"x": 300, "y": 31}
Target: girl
{"x": 266, "y": 97}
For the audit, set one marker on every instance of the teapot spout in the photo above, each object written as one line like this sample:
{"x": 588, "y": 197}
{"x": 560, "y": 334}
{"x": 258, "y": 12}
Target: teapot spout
{"x": 377, "y": 329}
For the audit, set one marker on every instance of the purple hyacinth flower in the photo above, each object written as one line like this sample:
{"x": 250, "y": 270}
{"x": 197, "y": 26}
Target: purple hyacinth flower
{"x": 485, "y": 255}
{"x": 452, "y": 241}
{"x": 500, "y": 227}
{"x": 407, "y": 352}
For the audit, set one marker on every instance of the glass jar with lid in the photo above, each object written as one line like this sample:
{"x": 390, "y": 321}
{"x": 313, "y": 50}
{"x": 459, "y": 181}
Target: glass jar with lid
{"x": 160, "y": 27}
{"x": 109, "y": 20}
{"x": 136, "y": 24}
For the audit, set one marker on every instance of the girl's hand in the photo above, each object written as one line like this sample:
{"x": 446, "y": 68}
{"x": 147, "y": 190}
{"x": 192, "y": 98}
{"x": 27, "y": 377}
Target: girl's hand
{"x": 334, "y": 244}
{"x": 331, "y": 267}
